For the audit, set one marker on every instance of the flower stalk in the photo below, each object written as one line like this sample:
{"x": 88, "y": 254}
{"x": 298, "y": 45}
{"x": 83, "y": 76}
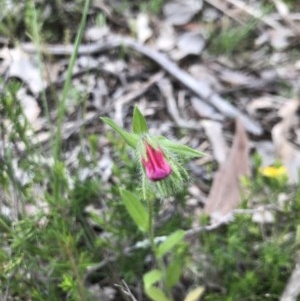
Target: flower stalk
{"x": 163, "y": 174}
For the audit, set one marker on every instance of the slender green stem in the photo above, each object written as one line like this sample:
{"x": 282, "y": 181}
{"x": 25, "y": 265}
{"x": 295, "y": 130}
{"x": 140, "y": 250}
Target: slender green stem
{"x": 67, "y": 85}
{"x": 75, "y": 269}
{"x": 56, "y": 148}
{"x": 159, "y": 260}
{"x": 150, "y": 224}
{"x": 36, "y": 38}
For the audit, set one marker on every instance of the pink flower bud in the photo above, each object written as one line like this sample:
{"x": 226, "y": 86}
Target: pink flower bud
{"x": 156, "y": 166}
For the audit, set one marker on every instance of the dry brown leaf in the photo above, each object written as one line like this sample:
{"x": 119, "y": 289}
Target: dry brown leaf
{"x": 281, "y": 7}
{"x": 265, "y": 103}
{"x": 167, "y": 37}
{"x": 204, "y": 110}
{"x": 235, "y": 78}
{"x": 214, "y": 133}
{"x": 286, "y": 151}
{"x": 180, "y": 12}
{"x": 280, "y": 38}
{"x": 95, "y": 33}
{"x": 266, "y": 151}
{"x": 22, "y": 66}
{"x": 189, "y": 43}
{"x": 143, "y": 29}
{"x": 224, "y": 195}
{"x": 203, "y": 73}
{"x": 30, "y": 108}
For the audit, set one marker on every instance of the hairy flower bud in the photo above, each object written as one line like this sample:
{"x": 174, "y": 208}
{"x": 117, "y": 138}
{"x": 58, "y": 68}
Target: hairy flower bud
{"x": 156, "y": 166}
{"x": 161, "y": 161}
{"x": 162, "y": 172}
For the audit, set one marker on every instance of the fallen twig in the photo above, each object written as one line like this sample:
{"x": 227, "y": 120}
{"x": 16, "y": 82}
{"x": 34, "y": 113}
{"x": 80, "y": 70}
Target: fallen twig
{"x": 200, "y": 88}
{"x": 165, "y": 87}
{"x": 284, "y": 12}
{"x": 255, "y": 13}
{"x": 292, "y": 289}
{"x": 126, "y": 290}
{"x": 135, "y": 93}
{"x": 221, "y": 6}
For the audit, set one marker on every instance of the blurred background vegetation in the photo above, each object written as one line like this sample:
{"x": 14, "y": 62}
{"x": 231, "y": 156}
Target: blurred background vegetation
{"x": 66, "y": 236}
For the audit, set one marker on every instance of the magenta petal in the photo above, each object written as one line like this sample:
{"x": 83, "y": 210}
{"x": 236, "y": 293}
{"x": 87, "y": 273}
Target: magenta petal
{"x": 156, "y": 166}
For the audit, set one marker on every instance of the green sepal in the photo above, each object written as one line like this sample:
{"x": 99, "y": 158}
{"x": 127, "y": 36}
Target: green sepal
{"x": 136, "y": 209}
{"x": 139, "y": 124}
{"x": 179, "y": 149}
{"x": 130, "y": 138}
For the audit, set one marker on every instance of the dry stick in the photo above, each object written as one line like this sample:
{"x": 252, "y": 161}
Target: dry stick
{"x": 284, "y": 13}
{"x": 292, "y": 289}
{"x": 133, "y": 94}
{"x": 200, "y": 88}
{"x": 166, "y": 90}
{"x": 126, "y": 290}
{"x": 255, "y": 13}
{"x": 221, "y": 6}
{"x": 265, "y": 19}
{"x": 124, "y": 99}
{"x": 63, "y": 50}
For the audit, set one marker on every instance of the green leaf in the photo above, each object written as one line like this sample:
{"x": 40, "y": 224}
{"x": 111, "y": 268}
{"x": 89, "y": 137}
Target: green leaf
{"x": 139, "y": 124}
{"x": 135, "y": 209}
{"x": 131, "y": 139}
{"x": 171, "y": 241}
{"x": 180, "y": 149}
{"x": 173, "y": 273}
{"x": 67, "y": 284}
{"x": 156, "y": 294}
{"x": 195, "y": 294}
{"x": 150, "y": 279}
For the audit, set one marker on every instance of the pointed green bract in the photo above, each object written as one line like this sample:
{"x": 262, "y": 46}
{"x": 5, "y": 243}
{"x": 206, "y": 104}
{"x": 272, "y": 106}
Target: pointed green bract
{"x": 139, "y": 124}
{"x": 179, "y": 149}
{"x": 171, "y": 241}
{"x": 135, "y": 209}
{"x": 131, "y": 139}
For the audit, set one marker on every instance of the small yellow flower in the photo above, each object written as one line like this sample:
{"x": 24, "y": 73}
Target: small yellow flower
{"x": 273, "y": 171}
